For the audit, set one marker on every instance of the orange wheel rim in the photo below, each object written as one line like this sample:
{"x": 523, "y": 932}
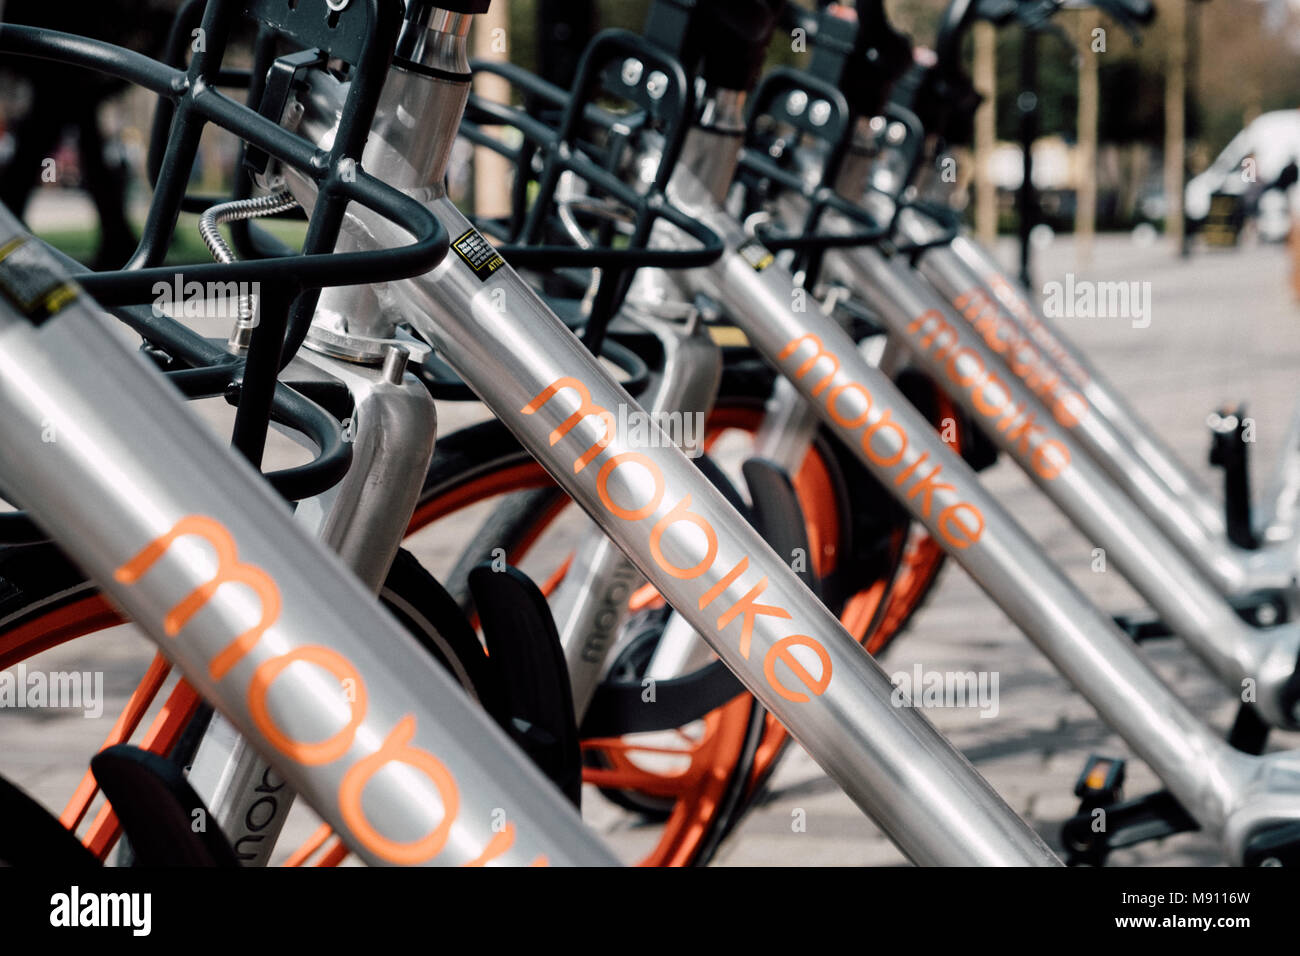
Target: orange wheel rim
{"x": 78, "y": 619}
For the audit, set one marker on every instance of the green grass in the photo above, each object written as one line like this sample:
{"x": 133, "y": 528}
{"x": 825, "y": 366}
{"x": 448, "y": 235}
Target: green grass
{"x": 186, "y": 247}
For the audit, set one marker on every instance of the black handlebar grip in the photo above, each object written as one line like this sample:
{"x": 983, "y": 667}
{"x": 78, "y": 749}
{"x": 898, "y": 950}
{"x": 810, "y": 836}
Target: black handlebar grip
{"x": 881, "y": 55}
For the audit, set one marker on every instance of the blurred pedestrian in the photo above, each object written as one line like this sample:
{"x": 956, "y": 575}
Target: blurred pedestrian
{"x": 64, "y": 98}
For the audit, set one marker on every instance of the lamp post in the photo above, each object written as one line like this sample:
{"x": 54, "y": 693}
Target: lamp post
{"x": 1027, "y": 102}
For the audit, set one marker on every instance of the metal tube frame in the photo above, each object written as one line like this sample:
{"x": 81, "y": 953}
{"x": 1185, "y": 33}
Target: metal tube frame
{"x": 985, "y": 831}
{"x": 363, "y": 520}
{"x": 278, "y": 634}
{"x": 1031, "y": 433}
{"x": 711, "y": 566}
{"x": 133, "y": 516}
{"x": 590, "y": 605}
{"x": 1280, "y": 514}
{"x": 1229, "y": 793}
{"x": 1107, "y": 429}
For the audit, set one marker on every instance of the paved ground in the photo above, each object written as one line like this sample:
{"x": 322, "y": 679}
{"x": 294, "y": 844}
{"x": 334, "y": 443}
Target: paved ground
{"x": 1222, "y": 328}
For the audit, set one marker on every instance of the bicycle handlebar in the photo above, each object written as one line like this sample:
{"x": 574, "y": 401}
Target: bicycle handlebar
{"x": 724, "y": 41}
{"x": 942, "y": 95}
{"x": 961, "y": 14}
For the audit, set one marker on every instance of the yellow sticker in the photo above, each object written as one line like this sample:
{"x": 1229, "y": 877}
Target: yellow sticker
{"x": 33, "y": 279}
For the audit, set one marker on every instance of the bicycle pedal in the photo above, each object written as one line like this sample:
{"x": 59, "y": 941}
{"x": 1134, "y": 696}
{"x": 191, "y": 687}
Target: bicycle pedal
{"x": 1249, "y": 732}
{"x": 1101, "y": 783}
{"x": 165, "y": 821}
{"x": 524, "y": 648}
{"x": 1096, "y": 830}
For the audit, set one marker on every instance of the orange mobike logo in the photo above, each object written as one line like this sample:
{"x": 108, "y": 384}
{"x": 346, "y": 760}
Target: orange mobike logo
{"x": 960, "y": 524}
{"x": 395, "y": 748}
{"x": 990, "y": 397}
{"x": 1014, "y": 301}
{"x": 1023, "y": 356}
{"x": 747, "y": 609}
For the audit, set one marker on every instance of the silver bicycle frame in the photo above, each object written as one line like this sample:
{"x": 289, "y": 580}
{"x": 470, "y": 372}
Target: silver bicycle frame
{"x": 353, "y": 341}
{"x": 362, "y": 519}
{"x": 1030, "y": 432}
{"x": 1109, "y": 430}
{"x": 714, "y": 569}
{"x": 266, "y": 625}
{"x": 130, "y": 513}
{"x": 1034, "y": 416}
{"x": 1230, "y": 794}
{"x": 590, "y": 605}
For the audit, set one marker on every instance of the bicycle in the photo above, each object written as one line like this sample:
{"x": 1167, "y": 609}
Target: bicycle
{"x": 116, "y": 542}
{"x": 1243, "y": 812}
{"x": 858, "y": 403}
{"x": 901, "y": 304}
{"x": 1027, "y": 408}
{"x": 1253, "y": 565}
{"x": 755, "y": 301}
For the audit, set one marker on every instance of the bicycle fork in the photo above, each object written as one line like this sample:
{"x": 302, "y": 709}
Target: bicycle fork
{"x": 362, "y": 519}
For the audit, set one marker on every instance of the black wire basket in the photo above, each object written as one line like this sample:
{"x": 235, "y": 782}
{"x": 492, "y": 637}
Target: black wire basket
{"x": 578, "y": 136}
{"x": 358, "y": 41}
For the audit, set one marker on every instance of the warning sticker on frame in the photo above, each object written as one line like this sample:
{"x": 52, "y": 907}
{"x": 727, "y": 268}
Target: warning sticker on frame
{"x": 756, "y": 254}
{"x": 33, "y": 280}
{"x": 478, "y": 254}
